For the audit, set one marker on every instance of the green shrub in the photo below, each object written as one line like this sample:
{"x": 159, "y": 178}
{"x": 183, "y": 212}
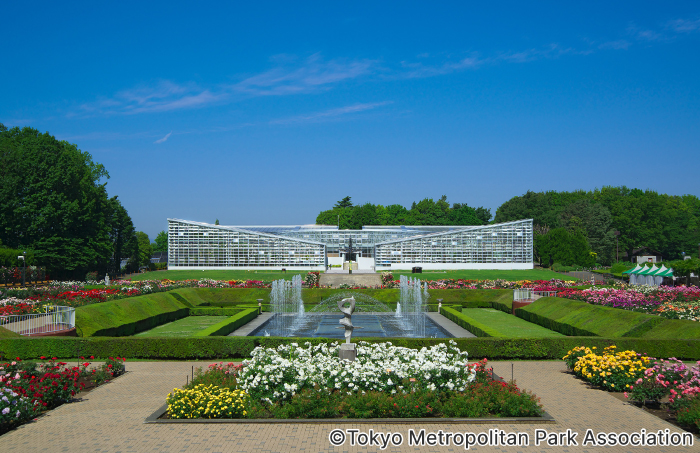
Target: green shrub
{"x": 576, "y": 318}
{"x": 229, "y": 325}
{"x": 475, "y": 327}
{"x": 206, "y": 348}
{"x": 620, "y": 267}
{"x": 690, "y": 414}
{"x": 128, "y": 316}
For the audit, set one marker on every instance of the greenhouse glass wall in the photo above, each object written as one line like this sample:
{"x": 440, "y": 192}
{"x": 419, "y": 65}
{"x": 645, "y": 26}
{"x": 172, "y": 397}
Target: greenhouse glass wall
{"x": 499, "y": 246}
{"x": 195, "y": 245}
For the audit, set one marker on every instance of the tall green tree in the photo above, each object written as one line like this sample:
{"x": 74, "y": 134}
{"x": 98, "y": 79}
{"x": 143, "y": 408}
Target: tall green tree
{"x": 560, "y": 246}
{"x": 53, "y": 200}
{"x": 145, "y": 249}
{"x": 594, "y": 221}
{"x": 344, "y": 203}
{"x": 160, "y": 243}
{"x": 123, "y": 237}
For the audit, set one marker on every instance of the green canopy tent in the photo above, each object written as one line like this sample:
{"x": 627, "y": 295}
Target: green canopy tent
{"x": 632, "y": 273}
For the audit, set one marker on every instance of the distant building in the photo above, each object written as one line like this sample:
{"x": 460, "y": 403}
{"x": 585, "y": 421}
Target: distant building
{"x": 196, "y": 245}
{"x": 159, "y": 257}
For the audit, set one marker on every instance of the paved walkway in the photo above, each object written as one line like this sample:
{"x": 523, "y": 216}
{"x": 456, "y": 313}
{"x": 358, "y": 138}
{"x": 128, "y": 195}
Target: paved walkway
{"x": 453, "y": 328}
{"x": 110, "y": 419}
{"x": 252, "y": 325}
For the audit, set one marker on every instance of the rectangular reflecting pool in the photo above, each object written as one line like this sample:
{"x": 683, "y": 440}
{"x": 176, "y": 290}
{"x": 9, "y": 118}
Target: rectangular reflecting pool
{"x": 366, "y": 325}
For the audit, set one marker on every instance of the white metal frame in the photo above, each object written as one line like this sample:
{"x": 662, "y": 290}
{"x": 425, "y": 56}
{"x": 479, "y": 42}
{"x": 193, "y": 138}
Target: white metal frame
{"x": 196, "y": 245}
{"x": 55, "y": 319}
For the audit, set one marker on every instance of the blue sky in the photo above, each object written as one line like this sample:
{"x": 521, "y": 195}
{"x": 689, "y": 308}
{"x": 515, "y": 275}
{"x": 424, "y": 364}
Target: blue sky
{"x": 267, "y": 113}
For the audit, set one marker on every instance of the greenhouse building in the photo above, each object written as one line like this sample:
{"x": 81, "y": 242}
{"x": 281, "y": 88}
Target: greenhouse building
{"x": 196, "y": 245}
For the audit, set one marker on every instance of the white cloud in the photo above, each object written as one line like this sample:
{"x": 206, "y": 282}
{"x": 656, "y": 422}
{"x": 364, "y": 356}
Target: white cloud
{"x": 164, "y": 139}
{"x": 684, "y": 25}
{"x": 332, "y": 113}
{"x": 312, "y": 75}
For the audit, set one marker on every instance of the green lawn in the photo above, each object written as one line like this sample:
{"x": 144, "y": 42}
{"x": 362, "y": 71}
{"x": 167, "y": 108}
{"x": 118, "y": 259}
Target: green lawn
{"x": 534, "y": 274}
{"x": 183, "y": 327}
{"x": 468, "y": 274}
{"x": 267, "y": 276}
{"x": 508, "y": 325}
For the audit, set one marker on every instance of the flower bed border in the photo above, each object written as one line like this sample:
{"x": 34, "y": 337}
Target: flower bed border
{"x": 154, "y": 418}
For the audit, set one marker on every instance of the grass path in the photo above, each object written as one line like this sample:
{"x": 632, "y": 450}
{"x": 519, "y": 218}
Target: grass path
{"x": 532, "y": 274}
{"x": 509, "y": 325}
{"x": 182, "y": 327}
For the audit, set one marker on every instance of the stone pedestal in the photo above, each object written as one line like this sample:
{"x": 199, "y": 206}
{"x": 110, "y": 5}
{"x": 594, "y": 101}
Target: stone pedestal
{"x": 348, "y": 352}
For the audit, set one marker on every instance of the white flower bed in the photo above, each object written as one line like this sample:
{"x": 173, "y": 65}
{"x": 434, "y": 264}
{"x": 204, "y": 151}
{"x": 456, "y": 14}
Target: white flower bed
{"x": 274, "y": 374}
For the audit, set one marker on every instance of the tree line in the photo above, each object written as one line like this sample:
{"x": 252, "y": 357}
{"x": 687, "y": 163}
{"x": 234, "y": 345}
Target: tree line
{"x": 54, "y": 203}
{"x": 571, "y": 228}
{"x": 644, "y": 220}
{"x": 425, "y": 212}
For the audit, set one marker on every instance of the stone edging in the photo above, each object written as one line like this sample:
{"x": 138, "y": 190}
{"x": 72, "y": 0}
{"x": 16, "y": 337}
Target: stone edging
{"x": 545, "y": 418}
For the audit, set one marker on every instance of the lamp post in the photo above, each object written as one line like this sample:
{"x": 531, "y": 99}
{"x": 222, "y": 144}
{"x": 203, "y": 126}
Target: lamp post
{"x": 617, "y": 246}
{"x": 23, "y": 257}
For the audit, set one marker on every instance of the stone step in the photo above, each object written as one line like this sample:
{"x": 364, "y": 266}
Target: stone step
{"x": 335, "y": 280}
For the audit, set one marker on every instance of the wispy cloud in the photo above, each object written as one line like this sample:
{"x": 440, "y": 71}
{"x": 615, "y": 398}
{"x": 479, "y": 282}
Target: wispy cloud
{"x": 684, "y": 25}
{"x": 331, "y": 114}
{"x": 164, "y": 139}
{"x": 475, "y": 61}
{"x": 420, "y": 70}
{"x": 314, "y": 74}
{"x": 289, "y": 76}
{"x": 162, "y": 97}
{"x": 620, "y": 44}
{"x": 18, "y": 122}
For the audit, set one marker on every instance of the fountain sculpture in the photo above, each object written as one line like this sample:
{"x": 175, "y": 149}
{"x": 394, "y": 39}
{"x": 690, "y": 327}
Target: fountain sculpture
{"x": 347, "y": 349}
{"x": 373, "y": 316}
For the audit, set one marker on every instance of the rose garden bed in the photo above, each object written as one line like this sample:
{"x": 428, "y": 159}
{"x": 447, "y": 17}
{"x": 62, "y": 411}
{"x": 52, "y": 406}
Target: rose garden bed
{"x": 29, "y": 389}
{"x": 666, "y": 388}
{"x": 310, "y": 383}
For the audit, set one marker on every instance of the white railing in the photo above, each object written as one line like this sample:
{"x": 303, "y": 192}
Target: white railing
{"x": 522, "y": 294}
{"x": 56, "y": 319}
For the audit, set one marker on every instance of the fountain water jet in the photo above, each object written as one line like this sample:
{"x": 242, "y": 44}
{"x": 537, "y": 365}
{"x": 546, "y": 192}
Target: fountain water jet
{"x": 287, "y": 305}
{"x": 414, "y": 303}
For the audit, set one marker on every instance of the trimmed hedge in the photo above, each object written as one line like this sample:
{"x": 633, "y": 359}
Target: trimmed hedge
{"x": 128, "y": 316}
{"x": 215, "y": 348}
{"x": 576, "y": 318}
{"x": 215, "y": 311}
{"x": 227, "y": 326}
{"x": 475, "y": 327}
{"x": 226, "y": 297}
{"x": 477, "y": 304}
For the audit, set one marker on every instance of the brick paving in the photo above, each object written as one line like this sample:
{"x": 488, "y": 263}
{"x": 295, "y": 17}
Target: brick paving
{"x": 111, "y": 419}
